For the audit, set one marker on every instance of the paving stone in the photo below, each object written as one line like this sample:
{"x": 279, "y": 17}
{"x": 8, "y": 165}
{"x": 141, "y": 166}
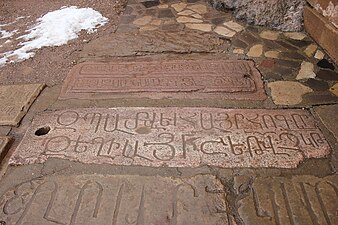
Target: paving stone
{"x": 306, "y": 71}
{"x": 266, "y": 63}
{"x": 197, "y": 16}
{"x": 186, "y": 13}
{"x": 172, "y": 27}
{"x": 127, "y": 199}
{"x": 218, "y": 20}
{"x": 143, "y": 20}
{"x": 151, "y": 12}
{"x": 199, "y": 8}
{"x": 179, "y": 6}
{"x": 15, "y": 101}
{"x": 239, "y": 43}
{"x": 299, "y": 44}
{"x": 295, "y": 35}
{"x": 271, "y": 54}
{"x": 165, "y": 13}
{"x": 319, "y": 54}
{"x": 192, "y": 1}
{"x": 284, "y": 72}
{"x": 271, "y": 45}
{"x": 224, "y": 31}
{"x": 174, "y": 137}
{"x": 292, "y": 55}
{"x": 234, "y": 79}
{"x": 249, "y": 38}
{"x": 287, "y": 46}
{"x": 317, "y": 85}
{"x": 272, "y": 76}
{"x": 149, "y": 4}
{"x": 148, "y": 28}
{"x": 296, "y": 200}
{"x": 185, "y": 19}
{"x": 128, "y": 10}
{"x": 288, "y": 63}
{"x": 328, "y": 114}
{"x": 4, "y": 146}
{"x": 324, "y": 63}
{"x": 152, "y": 42}
{"x": 199, "y": 26}
{"x": 156, "y": 22}
{"x": 238, "y": 51}
{"x": 327, "y": 75}
{"x": 288, "y": 92}
{"x": 310, "y": 50}
{"x": 127, "y": 19}
{"x": 234, "y": 26}
{"x": 163, "y": 6}
{"x": 334, "y": 89}
{"x": 255, "y": 51}
{"x": 270, "y": 35}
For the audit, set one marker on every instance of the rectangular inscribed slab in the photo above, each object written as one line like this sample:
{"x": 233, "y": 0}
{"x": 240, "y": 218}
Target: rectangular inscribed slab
{"x": 116, "y": 200}
{"x": 15, "y": 101}
{"x": 181, "y": 79}
{"x": 174, "y": 137}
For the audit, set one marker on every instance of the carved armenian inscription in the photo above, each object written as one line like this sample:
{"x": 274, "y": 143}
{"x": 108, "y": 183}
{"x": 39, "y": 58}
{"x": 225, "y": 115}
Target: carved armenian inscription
{"x": 282, "y": 201}
{"x": 114, "y": 200}
{"x": 174, "y": 137}
{"x": 228, "y": 79}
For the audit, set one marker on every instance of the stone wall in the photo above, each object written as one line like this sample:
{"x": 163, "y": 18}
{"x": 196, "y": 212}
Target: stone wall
{"x": 284, "y": 15}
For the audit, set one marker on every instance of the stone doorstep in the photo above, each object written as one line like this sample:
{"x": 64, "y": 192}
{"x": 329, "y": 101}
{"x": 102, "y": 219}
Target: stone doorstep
{"x": 174, "y": 137}
{"x": 320, "y": 29}
{"x": 15, "y": 101}
{"x": 178, "y": 79}
{"x": 105, "y": 199}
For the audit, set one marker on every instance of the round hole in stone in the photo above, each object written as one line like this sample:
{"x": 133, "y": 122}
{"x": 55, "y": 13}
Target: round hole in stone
{"x": 42, "y": 131}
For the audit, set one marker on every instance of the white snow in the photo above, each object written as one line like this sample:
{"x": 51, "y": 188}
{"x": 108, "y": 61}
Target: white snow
{"x": 54, "y": 29}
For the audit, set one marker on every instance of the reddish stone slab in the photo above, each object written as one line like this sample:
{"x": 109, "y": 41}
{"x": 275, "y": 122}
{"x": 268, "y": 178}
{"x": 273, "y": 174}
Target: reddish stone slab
{"x": 196, "y": 79}
{"x": 114, "y": 200}
{"x": 174, "y": 137}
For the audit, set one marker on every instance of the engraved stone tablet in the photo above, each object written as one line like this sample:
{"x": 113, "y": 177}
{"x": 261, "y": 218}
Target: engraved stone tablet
{"x": 15, "y": 101}
{"x": 174, "y": 137}
{"x": 4, "y": 142}
{"x": 194, "y": 79}
{"x": 117, "y": 200}
{"x": 299, "y": 200}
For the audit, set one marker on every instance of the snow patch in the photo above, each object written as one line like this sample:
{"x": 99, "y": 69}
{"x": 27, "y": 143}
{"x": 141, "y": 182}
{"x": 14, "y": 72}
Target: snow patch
{"x": 54, "y": 29}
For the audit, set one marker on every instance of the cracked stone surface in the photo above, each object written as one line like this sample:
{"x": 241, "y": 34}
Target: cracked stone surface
{"x": 15, "y": 101}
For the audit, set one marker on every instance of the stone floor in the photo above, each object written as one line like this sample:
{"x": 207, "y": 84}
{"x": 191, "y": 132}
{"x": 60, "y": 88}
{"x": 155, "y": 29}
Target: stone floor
{"x": 208, "y": 121}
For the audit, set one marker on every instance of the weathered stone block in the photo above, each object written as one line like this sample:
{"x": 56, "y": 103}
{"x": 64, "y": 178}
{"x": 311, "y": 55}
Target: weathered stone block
{"x": 174, "y": 137}
{"x": 324, "y": 33}
{"x": 117, "y": 200}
